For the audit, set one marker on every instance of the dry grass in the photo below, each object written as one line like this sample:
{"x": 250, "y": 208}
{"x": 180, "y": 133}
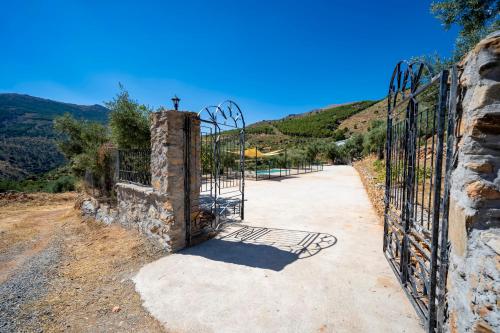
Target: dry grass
{"x": 24, "y": 233}
{"x": 95, "y": 278}
{"x": 30, "y": 200}
{"x": 373, "y": 182}
{"x": 93, "y": 274}
{"x": 360, "y": 122}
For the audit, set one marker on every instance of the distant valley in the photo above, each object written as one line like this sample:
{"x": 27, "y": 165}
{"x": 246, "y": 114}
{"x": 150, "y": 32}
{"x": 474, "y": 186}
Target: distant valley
{"x": 27, "y": 145}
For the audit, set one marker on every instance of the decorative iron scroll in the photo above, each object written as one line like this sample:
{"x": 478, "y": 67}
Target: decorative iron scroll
{"x": 406, "y": 79}
{"x": 228, "y": 110}
{"x": 221, "y": 168}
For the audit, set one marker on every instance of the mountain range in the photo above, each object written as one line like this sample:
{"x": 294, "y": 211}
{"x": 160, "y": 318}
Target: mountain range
{"x": 27, "y": 137}
{"x": 27, "y": 146}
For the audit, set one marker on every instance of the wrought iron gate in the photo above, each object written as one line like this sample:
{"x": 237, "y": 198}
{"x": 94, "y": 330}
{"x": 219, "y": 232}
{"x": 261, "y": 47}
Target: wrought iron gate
{"x": 419, "y": 154}
{"x": 221, "y": 169}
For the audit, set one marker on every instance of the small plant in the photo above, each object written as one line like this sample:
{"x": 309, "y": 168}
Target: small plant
{"x": 62, "y": 184}
{"x": 374, "y": 141}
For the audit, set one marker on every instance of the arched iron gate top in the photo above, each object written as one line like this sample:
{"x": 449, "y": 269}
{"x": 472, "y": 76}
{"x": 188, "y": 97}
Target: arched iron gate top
{"x": 227, "y": 111}
{"x": 223, "y": 161}
{"x": 407, "y": 76}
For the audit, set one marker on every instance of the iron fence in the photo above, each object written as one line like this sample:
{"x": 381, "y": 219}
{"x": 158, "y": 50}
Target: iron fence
{"x": 134, "y": 166}
{"x": 420, "y": 135}
{"x": 278, "y": 166}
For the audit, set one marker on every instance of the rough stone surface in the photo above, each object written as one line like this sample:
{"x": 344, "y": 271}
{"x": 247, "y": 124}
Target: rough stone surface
{"x": 102, "y": 212}
{"x": 158, "y": 211}
{"x": 168, "y": 149}
{"x": 474, "y": 230}
{"x": 143, "y": 209}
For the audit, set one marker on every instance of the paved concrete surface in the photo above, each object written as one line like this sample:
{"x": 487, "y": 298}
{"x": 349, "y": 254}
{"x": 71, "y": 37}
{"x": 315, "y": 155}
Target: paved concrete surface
{"x": 308, "y": 258}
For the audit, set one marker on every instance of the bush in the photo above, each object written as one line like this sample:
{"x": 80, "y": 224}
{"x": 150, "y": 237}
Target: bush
{"x": 57, "y": 180}
{"x": 80, "y": 141}
{"x": 374, "y": 141}
{"x": 312, "y": 152}
{"x": 62, "y": 184}
{"x": 333, "y": 153}
{"x": 354, "y": 147}
{"x": 129, "y": 122}
{"x": 89, "y": 145}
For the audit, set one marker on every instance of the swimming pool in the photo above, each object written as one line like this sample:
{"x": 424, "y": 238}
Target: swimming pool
{"x": 268, "y": 171}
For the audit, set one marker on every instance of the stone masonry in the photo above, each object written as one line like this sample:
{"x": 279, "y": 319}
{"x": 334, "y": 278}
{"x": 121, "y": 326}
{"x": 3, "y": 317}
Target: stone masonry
{"x": 474, "y": 229}
{"x": 158, "y": 211}
{"x": 167, "y": 166}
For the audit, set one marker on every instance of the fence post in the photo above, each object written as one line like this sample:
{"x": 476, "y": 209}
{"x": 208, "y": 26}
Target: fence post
{"x": 168, "y": 167}
{"x": 256, "y": 175}
{"x": 443, "y": 90}
{"x": 117, "y": 165}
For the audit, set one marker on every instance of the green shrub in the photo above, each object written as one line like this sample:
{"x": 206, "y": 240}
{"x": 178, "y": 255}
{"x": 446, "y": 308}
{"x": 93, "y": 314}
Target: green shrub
{"x": 374, "y": 141}
{"x": 62, "y": 184}
{"x": 333, "y": 153}
{"x": 58, "y": 180}
{"x": 312, "y": 153}
{"x": 129, "y": 122}
{"x": 80, "y": 141}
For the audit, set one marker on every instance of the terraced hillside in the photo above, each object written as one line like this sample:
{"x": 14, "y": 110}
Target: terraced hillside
{"x": 326, "y": 124}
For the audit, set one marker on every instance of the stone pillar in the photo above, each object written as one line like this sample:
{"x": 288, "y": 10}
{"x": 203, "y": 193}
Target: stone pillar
{"x": 168, "y": 157}
{"x": 474, "y": 220}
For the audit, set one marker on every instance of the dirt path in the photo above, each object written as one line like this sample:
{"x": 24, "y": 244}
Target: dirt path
{"x": 58, "y": 273}
{"x": 307, "y": 259}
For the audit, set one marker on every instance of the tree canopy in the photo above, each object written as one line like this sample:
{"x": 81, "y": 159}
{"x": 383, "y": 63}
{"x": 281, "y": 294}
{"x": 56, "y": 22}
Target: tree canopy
{"x": 129, "y": 121}
{"x": 476, "y": 18}
{"x": 80, "y": 141}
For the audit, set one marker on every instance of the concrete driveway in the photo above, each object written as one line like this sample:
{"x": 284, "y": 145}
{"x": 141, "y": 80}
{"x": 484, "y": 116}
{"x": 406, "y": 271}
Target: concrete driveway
{"x": 308, "y": 258}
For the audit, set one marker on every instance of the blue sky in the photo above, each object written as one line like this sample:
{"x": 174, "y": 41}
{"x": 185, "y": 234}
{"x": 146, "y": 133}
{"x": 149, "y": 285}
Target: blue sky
{"x": 272, "y": 57}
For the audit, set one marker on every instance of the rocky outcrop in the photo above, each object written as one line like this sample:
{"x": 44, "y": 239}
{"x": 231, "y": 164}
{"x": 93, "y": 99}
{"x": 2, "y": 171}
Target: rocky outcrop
{"x": 99, "y": 211}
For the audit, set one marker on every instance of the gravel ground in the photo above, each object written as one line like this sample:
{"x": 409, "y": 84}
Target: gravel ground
{"x": 61, "y": 274}
{"x": 28, "y": 283}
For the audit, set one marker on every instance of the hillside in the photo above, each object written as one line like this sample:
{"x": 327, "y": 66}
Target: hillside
{"x": 317, "y": 125}
{"x": 359, "y": 122}
{"x": 26, "y": 135}
{"x": 27, "y": 138}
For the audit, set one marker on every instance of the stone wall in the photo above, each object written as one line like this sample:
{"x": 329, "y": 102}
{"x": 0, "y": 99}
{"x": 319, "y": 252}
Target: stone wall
{"x": 146, "y": 210}
{"x": 158, "y": 211}
{"x": 474, "y": 229}
{"x": 167, "y": 165}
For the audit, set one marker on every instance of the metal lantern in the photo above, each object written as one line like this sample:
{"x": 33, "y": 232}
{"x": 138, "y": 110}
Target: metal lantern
{"x": 176, "y": 101}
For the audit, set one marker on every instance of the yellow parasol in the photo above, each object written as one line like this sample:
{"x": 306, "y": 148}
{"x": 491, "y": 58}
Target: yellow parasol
{"x": 255, "y": 153}
{"x": 272, "y": 153}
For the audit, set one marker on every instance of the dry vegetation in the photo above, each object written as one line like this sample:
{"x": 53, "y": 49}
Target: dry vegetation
{"x": 372, "y": 173}
{"x": 87, "y": 286}
{"x": 360, "y": 122}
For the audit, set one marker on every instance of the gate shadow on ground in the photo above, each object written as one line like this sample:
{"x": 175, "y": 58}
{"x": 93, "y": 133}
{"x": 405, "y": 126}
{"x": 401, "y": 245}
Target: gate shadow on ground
{"x": 266, "y": 248}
